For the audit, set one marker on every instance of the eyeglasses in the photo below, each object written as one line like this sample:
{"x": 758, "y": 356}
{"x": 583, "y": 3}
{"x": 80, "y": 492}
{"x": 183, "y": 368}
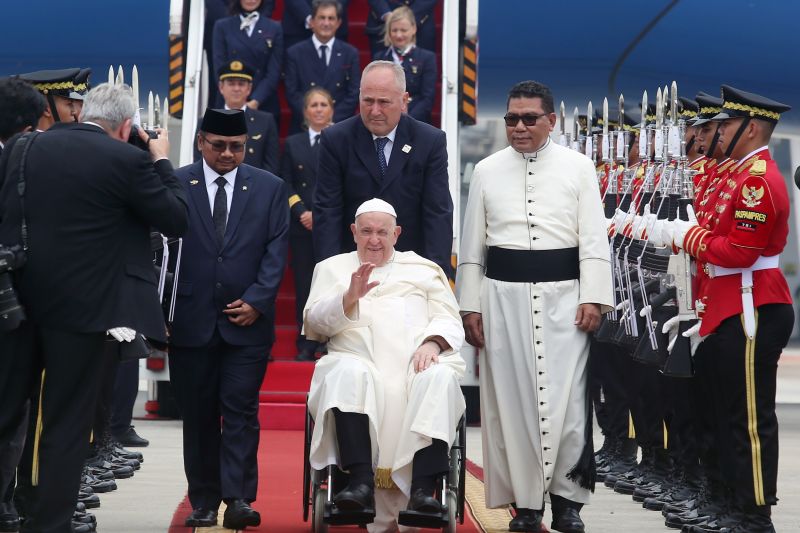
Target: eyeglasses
{"x": 221, "y": 146}
{"x": 528, "y": 120}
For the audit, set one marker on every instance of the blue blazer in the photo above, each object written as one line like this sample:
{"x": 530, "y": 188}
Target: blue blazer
{"x": 420, "y": 67}
{"x": 262, "y": 51}
{"x": 423, "y": 13}
{"x": 341, "y": 78}
{"x": 248, "y": 265}
{"x": 416, "y": 184}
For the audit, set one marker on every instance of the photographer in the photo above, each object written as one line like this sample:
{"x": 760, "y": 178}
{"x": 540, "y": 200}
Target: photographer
{"x": 89, "y": 202}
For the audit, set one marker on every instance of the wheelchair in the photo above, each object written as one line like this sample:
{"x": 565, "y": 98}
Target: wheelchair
{"x": 320, "y": 486}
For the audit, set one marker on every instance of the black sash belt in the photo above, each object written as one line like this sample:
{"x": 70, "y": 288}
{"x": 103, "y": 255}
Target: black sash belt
{"x": 532, "y": 266}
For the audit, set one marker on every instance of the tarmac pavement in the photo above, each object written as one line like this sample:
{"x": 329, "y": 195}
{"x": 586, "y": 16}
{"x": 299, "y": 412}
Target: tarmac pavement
{"x": 146, "y": 502}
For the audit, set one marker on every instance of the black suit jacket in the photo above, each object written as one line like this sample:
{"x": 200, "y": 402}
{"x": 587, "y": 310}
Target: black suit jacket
{"x": 248, "y": 265}
{"x": 90, "y": 203}
{"x": 262, "y": 141}
{"x": 416, "y": 184}
{"x": 294, "y": 21}
{"x": 423, "y": 13}
{"x": 299, "y": 171}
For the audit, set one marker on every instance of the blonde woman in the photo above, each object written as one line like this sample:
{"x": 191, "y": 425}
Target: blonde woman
{"x": 419, "y": 64}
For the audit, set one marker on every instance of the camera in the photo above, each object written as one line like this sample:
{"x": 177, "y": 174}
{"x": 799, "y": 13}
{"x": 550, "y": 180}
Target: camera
{"x": 11, "y": 312}
{"x": 135, "y": 140}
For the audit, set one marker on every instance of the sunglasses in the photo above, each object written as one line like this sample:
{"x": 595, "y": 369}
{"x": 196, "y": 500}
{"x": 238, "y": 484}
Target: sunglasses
{"x": 221, "y": 146}
{"x": 528, "y": 120}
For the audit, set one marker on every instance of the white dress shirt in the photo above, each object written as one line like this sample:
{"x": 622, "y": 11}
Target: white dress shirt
{"x": 387, "y": 149}
{"x": 312, "y": 135}
{"x": 211, "y": 187}
{"x": 329, "y": 44}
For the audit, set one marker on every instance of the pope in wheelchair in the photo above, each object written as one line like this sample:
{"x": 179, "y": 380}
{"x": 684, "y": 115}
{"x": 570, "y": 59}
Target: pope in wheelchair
{"x": 385, "y": 400}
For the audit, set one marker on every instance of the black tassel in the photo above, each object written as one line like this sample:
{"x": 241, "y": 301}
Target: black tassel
{"x": 584, "y": 472}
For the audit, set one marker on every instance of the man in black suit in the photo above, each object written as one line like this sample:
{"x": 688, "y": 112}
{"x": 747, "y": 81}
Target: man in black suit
{"x": 388, "y": 155}
{"x": 89, "y": 204}
{"x": 235, "y": 85}
{"x": 232, "y": 263}
{"x": 20, "y": 108}
{"x": 323, "y": 61}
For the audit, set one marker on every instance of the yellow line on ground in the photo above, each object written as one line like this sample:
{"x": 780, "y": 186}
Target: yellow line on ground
{"x": 489, "y": 520}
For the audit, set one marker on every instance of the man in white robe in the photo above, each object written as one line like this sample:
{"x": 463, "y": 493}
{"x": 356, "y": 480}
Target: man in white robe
{"x": 533, "y": 278}
{"x": 386, "y": 399}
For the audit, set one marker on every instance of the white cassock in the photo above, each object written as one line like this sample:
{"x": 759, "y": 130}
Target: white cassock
{"x": 533, "y": 368}
{"x": 368, "y": 368}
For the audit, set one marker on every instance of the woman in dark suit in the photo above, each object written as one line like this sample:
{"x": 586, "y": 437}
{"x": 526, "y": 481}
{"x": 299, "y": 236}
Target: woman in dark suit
{"x": 256, "y": 40}
{"x": 418, "y": 63}
{"x": 299, "y": 170}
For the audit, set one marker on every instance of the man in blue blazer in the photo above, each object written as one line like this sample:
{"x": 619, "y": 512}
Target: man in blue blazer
{"x": 384, "y": 154}
{"x": 232, "y": 263}
{"x": 323, "y": 60}
{"x": 296, "y": 21}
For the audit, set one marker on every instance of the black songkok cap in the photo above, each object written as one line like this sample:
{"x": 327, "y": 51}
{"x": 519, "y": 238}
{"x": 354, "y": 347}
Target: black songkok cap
{"x": 738, "y": 103}
{"x": 56, "y": 82}
{"x": 225, "y": 122}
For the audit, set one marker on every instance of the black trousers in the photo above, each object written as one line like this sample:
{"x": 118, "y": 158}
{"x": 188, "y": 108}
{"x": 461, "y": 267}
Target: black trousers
{"x": 302, "y": 264}
{"x": 352, "y": 438}
{"x": 17, "y": 382}
{"x": 607, "y": 368}
{"x": 126, "y": 388}
{"x": 213, "y": 382}
{"x": 102, "y": 413}
{"x": 68, "y": 365}
{"x": 747, "y": 427}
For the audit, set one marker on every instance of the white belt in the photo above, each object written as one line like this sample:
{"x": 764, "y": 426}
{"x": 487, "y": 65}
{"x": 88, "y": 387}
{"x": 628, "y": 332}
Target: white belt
{"x": 748, "y": 309}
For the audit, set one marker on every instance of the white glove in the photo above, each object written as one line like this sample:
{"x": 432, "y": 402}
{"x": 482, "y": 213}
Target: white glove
{"x": 670, "y": 328}
{"x": 645, "y": 311}
{"x": 617, "y": 222}
{"x": 122, "y": 334}
{"x": 693, "y": 333}
{"x": 673, "y": 232}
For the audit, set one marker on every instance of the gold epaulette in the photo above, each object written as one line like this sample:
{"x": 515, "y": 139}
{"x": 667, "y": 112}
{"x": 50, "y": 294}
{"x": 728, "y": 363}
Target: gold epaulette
{"x": 724, "y": 167}
{"x": 754, "y": 165}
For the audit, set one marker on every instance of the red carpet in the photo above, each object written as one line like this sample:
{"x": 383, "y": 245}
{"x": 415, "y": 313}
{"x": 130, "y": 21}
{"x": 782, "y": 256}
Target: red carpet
{"x": 279, "y": 500}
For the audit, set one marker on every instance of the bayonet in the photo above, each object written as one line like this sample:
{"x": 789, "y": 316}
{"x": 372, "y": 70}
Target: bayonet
{"x": 137, "y": 117}
{"x": 562, "y": 116}
{"x": 120, "y": 79}
{"x": 658, "y": 138}
{"x": 156, "y": 112}
{"x": 622, "y": 144}
{"x": 589, "y": 148}
{"x": 576, "y": 130}
{"x": 674, "y": 135}
{"x": 605, "y": 141}
{"x": 151, "y": 111}
{"x": 643, "y": 152}
{"x": 111, "y": 75}
{"x": 165, "y": 115}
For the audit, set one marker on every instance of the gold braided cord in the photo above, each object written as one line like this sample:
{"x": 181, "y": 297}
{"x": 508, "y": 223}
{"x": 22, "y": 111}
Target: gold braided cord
{"x": 709, "y": 110}
{"x": 688, "y": 113}
{"x": 752, "y": 110}
{"x": 54, "y": 86}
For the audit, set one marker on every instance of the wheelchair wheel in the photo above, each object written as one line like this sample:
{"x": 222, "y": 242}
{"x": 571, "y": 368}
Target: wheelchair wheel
{"x": 452, "y": 512}
{"x": 318, "y": 524}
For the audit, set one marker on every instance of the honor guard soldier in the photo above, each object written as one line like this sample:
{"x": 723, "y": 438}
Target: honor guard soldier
{"x": 56, "y": 86}
{"x": 80, "y": 86}
{"x": 748, "y": 315}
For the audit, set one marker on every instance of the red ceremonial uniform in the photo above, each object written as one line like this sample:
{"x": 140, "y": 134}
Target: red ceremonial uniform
{"x": 748, "y": 220}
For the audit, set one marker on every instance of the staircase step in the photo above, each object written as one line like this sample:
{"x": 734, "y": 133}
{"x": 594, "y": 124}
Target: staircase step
{"x": 286, "y": 377}
{"x": 282, "y": 416}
